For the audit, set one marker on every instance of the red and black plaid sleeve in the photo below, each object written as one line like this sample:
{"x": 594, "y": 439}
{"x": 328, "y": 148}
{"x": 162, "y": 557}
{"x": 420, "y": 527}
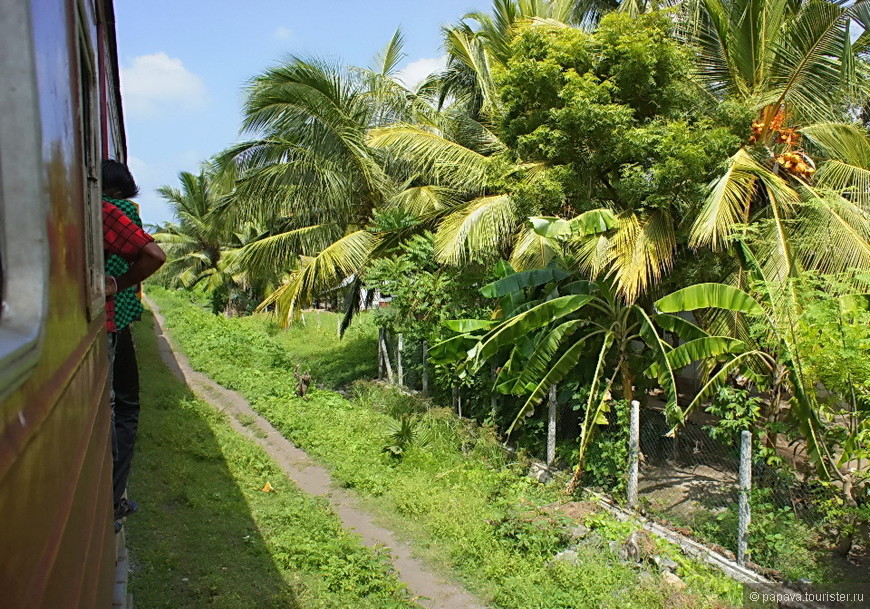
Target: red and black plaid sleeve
{"x": 121, "y": 235}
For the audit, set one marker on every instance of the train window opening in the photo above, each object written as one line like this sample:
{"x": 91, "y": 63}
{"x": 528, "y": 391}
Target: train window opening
{"x": 90, "y": 140}
{"x": 23, "y": 204}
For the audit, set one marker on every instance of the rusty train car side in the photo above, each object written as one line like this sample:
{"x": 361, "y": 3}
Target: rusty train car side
{"x": 60, "y": 114}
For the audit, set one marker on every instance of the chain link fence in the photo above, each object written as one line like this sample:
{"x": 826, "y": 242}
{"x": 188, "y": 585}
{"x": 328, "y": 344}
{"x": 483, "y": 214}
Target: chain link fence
{"x": 692, "y": 482}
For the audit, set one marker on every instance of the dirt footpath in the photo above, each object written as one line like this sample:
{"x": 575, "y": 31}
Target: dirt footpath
{"x": 428, "y": 589}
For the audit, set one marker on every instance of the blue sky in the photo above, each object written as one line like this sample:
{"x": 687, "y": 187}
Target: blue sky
{"x": 184, "y": 64}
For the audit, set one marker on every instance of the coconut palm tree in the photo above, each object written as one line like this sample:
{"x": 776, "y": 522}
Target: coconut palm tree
{"x": 459, "y": 162}
{"x": 195, "y": 242}
{"x": 800, "y": 179}
{"x": 310, "y": 175}
{"x": 203, "y": 244}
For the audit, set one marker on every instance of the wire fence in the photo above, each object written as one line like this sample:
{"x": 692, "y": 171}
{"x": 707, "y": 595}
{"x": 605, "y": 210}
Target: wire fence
{"x": 766, "y": 516}
{"x": 688, "y": 480}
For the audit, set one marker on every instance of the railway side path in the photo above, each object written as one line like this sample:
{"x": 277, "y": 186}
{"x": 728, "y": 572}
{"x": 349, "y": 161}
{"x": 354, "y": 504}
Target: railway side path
{"x": 427, "y": 588}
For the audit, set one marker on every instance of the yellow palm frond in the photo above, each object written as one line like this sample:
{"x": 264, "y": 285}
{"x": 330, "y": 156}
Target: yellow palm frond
{"x": 422, "y": 201}
{"x": 643, "y": 250}
{"x": 436, "y": 158}
{"x": 532, "y": 250}
{"x": 834, "y": 233}
{"x": 478, "y": 230}
{"x": 327, "y": 270}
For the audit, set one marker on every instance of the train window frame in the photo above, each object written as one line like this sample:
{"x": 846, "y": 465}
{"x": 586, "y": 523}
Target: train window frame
{"x": 89, "y": 123}
{"x": 23, "y": 206}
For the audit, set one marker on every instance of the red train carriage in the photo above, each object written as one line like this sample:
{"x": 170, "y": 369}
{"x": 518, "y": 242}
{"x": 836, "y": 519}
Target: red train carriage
{"x": 59, "y": 114}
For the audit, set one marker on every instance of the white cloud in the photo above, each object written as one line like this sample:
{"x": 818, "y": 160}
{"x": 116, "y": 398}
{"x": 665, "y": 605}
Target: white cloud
{"x": 282, "y": 33}
{"x": 156, "y": 84}
{"x": 415, "y": 72}
{"x": 141, "y": 170}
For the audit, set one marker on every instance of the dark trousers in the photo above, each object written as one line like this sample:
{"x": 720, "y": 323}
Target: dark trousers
{"x": 125, "y": 382}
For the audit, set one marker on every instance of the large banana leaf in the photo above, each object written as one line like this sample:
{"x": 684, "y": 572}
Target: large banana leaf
{"x": 709, "y": 295}
{"x": 523, "y": 279}
{"x": 558, "y": 372}
{"x": 718, "y": 379}
{"x": 581, "y": 286}
{"x": 700, "y": 349}
{"x": 469, "y": 325}
{"x": 663, "y": 370}
{"x": 686, "y": 330}
{"x": 545, "y": 349}
{"x": 596, "y": 406}
{"x": 591, "y": 222}
{"x": 453, "y": 349}
{"x": 524, "y": 323}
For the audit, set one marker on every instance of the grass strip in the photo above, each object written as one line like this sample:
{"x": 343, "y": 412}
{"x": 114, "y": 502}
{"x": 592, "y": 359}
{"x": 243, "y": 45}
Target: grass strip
{"x": 453, "y": 491}
{"x": 206, "y": 535}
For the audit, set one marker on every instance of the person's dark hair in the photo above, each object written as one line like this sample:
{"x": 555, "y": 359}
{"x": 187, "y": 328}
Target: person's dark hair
{"x": 118, "y": 180}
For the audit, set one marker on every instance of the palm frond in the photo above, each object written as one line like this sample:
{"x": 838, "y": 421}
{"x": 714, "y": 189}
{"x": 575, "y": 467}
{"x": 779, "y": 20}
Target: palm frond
{"x": 282, "y": 250}
{"x": 834, "y": 233}
{"x": 532, "y": 250}
{"x": 808, "y": 69}
{"x": 643, "y": 251}
{"x": 387, "y": 60}
{"x": 328, "y": 269}
{"x": 728, "y": 205}
{"x": 439, "y": 160}
{"x": 422, "y": 201}
{"x": 478, "y": 230}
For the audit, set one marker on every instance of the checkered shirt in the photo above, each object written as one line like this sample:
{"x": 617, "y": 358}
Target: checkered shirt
{"x": 128, "y": 307}
{"x": 123, "y": 238}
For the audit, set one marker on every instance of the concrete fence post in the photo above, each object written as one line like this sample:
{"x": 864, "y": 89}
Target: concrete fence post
{"x": 743, "y": 507}
{"x": 551, "y": 427}
{"x": 380, "y": 354}
{"x": 633, "y": 453}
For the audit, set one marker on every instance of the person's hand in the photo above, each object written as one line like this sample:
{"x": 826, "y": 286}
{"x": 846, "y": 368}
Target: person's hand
{"x": 111, "y": 286}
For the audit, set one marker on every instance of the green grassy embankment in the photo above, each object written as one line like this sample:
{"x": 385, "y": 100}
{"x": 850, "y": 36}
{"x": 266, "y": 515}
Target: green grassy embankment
{"x": 207, "y": 536}
{"x": 454, "y": 492}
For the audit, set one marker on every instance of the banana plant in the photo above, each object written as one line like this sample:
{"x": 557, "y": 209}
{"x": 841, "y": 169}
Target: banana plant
{"x": 548, "y": 324}
{"x": 778, "y": 356}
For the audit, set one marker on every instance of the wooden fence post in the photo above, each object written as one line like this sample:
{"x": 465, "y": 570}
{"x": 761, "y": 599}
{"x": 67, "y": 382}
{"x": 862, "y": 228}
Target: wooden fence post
{"x": 386, "y": 355}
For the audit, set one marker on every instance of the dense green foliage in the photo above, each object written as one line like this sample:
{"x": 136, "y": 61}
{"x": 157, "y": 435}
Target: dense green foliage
{"x": 613, "y": 114}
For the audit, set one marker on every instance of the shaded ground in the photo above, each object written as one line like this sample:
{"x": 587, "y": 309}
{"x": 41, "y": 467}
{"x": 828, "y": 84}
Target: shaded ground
{"x": 682, "y": 491}
{"x": 207, "y": 536}
{"x": 428, "y": 589}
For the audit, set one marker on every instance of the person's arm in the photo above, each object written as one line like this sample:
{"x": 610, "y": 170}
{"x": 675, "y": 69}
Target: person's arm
{"x": 121, "y": 236}
{"x": 151, "y": 258}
